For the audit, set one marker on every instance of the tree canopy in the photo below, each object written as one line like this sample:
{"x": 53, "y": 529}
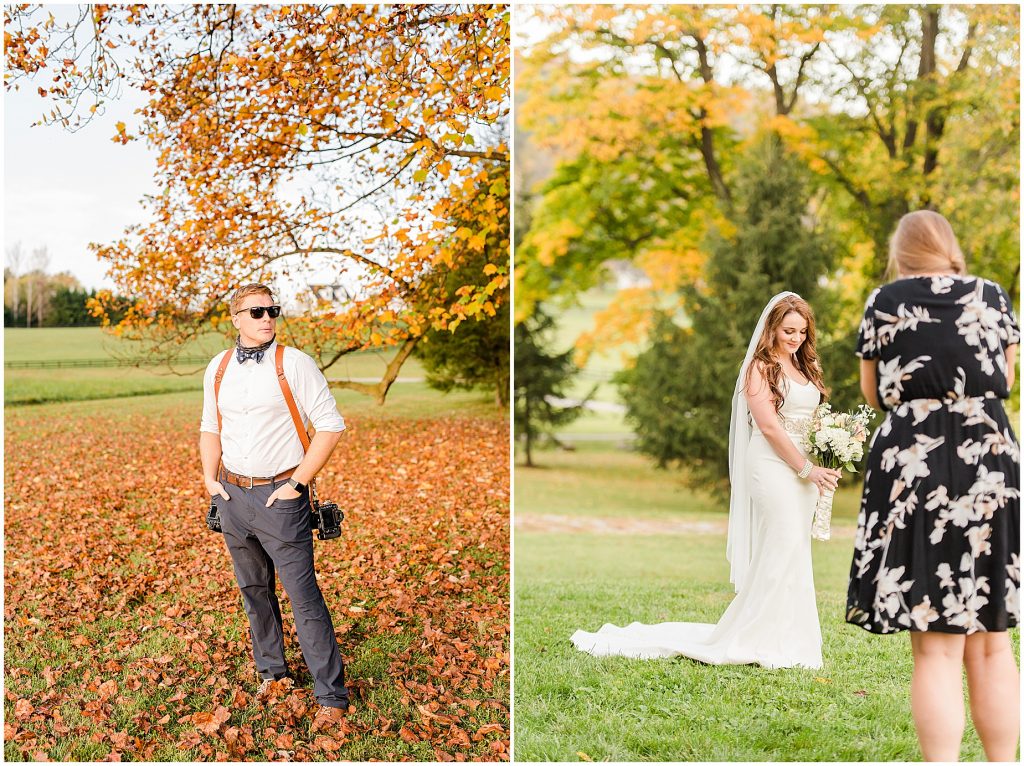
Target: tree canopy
{"x": 292, "y": 139}
{"x": 657, "y": 118}
{"x": 892, "y": 107}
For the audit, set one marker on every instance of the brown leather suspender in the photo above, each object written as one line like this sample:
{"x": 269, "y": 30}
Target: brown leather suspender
{"x": 285, "y": 389}
{"x": 216, "y": 385}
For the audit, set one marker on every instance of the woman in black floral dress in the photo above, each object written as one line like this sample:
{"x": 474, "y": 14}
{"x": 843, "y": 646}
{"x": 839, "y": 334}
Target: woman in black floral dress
{"x": 937, "y": 549}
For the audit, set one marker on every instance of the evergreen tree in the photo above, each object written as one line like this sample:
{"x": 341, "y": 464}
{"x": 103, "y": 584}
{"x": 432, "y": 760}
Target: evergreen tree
{"x": 68, "y": 308}
{"x": 476, "y": 355}
{"x": 679, "y": 393}
{"x": 540, "y": 376}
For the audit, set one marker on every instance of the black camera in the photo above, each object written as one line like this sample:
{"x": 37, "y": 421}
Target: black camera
{"x": 327, "y": 518}
{"x": 213, "y": 517}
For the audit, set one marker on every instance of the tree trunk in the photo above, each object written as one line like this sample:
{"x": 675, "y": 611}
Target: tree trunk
{"x": 28, "y": 303}
{"x": 707, "y": 136}
{"x": 15, "y": 295}
{"x": 379, "y": 391}
{"x": 41, "y": 301}
{"x": 925, "y": 67}
{"x": 529, "y": 433}
{"x": 936, "y": 119}
{"x": 501, "y": 393}
{"x": 14, "y": 260}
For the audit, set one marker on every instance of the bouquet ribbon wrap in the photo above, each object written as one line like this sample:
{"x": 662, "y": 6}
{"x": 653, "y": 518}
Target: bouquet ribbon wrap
{"x": 821, "y": 526}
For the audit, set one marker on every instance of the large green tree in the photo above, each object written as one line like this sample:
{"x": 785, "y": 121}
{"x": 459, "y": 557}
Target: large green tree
{"x": 678, "y": 394}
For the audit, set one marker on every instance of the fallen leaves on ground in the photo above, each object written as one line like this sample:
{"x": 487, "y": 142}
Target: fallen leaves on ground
{"x": 125, "y": 633}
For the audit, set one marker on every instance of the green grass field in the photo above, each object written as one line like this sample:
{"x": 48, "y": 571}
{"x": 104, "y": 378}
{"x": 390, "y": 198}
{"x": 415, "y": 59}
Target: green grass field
{"x": 36, "y": 386}
{"x": 595, "y": 480}
{"x": 570, "y": 706}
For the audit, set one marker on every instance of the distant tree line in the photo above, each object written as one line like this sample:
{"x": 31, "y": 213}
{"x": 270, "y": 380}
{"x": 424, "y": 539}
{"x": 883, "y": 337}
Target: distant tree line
{"x": 35, "y": 298}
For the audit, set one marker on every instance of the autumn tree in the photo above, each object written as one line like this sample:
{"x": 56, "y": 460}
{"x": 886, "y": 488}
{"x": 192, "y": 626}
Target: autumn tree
{"x": 648, "y": 157}
{"x": 45, "y": 294}
{"x": 925, "y": 114}
{"x": 474, "y": 354}
{"x": 893, "y": 107}
{"x": 291, "y": 141}
{"x": 35, "y": 284}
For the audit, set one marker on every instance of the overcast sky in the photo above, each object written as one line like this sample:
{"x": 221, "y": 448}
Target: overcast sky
{"x": 63, "y": 190}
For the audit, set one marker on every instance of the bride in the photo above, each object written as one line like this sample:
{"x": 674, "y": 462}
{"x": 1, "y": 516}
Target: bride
{"x": 773, "y": 621}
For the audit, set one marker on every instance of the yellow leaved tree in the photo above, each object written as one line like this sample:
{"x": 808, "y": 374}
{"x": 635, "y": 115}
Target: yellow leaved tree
{"x": 321, "y": 142}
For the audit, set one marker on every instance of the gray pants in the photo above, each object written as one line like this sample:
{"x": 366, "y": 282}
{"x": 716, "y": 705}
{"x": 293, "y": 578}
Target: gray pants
{"x": 261, "y": 539}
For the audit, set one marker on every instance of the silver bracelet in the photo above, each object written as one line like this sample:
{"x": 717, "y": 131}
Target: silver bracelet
{"x": 806, "y": 470}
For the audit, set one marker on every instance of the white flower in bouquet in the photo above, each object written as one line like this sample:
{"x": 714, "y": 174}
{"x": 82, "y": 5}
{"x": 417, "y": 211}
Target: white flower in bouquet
{"x": 837, "y": 439}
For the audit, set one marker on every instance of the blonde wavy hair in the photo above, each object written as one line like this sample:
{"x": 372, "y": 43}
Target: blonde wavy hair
{"x": 924, "y": 243}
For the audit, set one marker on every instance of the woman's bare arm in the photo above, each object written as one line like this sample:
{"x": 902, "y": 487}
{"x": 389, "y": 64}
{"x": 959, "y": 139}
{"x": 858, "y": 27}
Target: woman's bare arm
{"x": 869, "y": 382}
{"x": 759, "y": 400}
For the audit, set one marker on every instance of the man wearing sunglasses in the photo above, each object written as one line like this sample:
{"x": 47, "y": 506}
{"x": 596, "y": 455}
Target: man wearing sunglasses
{"x": 262, "y": 493}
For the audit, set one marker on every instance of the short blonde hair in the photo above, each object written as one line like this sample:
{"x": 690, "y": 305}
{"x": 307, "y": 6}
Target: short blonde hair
{"x": 924, "y": 242}
{"x": 244, "y": 292}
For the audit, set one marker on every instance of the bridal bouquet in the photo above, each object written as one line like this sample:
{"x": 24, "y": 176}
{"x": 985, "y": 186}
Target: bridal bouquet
{"x": 837, "y": 440}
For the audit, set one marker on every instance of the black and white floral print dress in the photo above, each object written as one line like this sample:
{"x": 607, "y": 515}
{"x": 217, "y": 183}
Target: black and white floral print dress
{"x": 937, "y": 543}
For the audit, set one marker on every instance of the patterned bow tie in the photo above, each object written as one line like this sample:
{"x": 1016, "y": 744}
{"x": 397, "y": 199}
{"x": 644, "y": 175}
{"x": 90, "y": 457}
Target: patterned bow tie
{"x": 256, "y": 352}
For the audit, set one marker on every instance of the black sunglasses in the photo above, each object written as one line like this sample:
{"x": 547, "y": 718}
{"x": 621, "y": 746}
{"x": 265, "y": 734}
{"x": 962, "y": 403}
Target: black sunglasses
{"x": 256, "y": 312}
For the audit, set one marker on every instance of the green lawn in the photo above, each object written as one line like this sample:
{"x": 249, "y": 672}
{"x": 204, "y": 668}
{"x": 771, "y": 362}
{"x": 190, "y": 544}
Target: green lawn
{"x": 570, "y": 706}
{"x": 35, "y": 386}
{"x": 599, "y": 481}
{"x": 41, "y": 343}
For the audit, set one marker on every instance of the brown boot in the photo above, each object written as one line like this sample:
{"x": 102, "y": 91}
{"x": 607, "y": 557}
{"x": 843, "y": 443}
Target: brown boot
{"x": 326, "y": 717}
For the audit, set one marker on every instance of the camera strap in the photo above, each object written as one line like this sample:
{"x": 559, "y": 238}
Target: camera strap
{"x": 288, "y": 398}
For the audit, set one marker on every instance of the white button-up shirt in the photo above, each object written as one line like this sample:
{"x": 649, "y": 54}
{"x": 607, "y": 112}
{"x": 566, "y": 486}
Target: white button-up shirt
{"x": 259, "y": 436}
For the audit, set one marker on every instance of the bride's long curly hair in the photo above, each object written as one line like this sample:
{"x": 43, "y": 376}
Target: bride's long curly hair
{"x": 806, "y": 358}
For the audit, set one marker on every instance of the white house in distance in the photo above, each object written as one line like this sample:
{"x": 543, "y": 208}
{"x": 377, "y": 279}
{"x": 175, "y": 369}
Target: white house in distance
{"x": 626, "y": 275}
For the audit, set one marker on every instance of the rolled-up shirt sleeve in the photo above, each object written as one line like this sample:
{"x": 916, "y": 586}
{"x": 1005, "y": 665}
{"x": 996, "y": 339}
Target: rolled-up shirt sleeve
{"x": 314, "y": 397}
{"x": 208, "y": 422}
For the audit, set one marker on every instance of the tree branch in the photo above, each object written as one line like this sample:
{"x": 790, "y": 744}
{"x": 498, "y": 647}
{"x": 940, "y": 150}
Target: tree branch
{"x": 379, "y": 391}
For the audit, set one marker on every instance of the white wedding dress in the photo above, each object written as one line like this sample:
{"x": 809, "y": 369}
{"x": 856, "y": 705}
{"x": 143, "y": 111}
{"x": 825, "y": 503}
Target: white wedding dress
{"x": 773, "y": 621}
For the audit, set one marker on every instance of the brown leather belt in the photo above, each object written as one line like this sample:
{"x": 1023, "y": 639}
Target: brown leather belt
{"x": 248, "y": 482}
